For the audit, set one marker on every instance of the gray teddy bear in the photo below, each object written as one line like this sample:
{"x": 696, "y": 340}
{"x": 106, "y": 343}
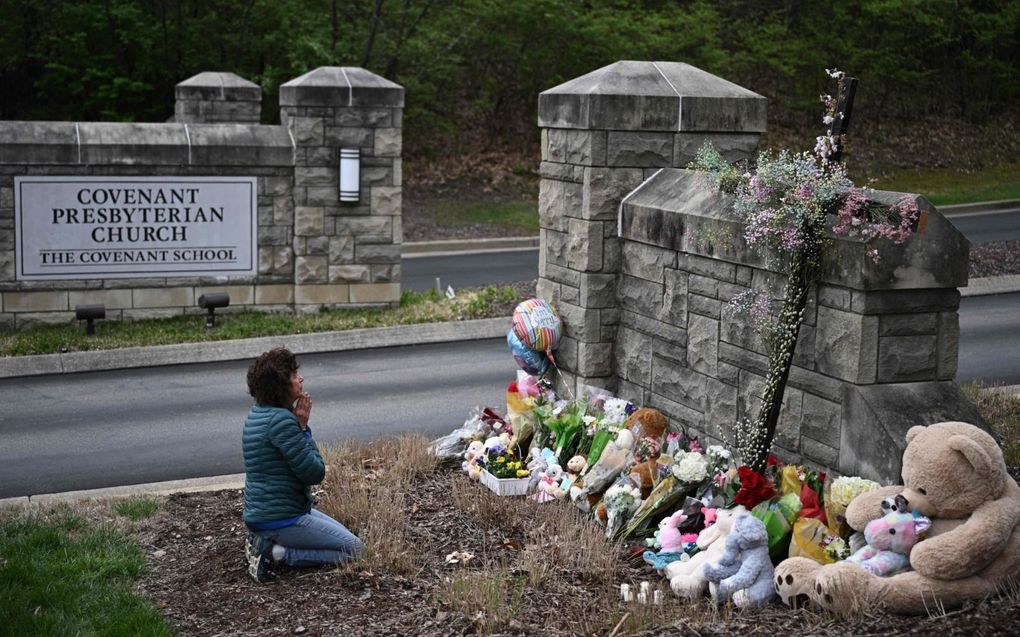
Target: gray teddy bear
{"x": 744, "y": 572}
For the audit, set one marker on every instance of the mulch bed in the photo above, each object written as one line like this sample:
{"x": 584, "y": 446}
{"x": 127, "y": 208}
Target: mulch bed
{"x": 197, "y": 578}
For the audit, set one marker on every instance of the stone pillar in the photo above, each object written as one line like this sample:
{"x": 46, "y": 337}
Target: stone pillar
{"x": 603, "y": 134}
{"x": 213, "y": 98}
{"x": 345, "y": 254}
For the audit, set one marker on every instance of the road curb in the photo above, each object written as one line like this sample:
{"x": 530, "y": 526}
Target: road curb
{"x": 980, "y": 207}
{"x": 986, "y": 286}
{"x": 216, "y": 351}
{"x": 191, "y": 485}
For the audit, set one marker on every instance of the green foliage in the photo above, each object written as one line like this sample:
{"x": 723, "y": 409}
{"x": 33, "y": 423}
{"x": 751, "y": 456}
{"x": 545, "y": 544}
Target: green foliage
{"x": 476, "y": 66}
{"x": 944, "y": 187}
{"x": 136, "y": 508}
{"x": 515, "y": 214}
{"x": 60, "y": 576}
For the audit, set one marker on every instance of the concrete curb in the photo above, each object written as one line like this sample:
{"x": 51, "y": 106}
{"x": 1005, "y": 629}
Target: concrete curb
{"x": 192, "y": 485}
{"x": 215, "y": 351}
{"x": 981, "y": 207}
{"x": 985, "y": 286}
{"x": 458, "y": 246}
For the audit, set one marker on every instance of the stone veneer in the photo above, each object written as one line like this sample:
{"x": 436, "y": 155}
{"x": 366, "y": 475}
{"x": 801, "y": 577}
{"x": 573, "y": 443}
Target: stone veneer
{"x": 312, "y": 252}
{"x": 642, "y": 270}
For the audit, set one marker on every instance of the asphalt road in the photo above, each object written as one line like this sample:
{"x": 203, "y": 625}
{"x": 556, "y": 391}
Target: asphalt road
{"x": 990, "y": 339}
{"x": 84, "y": 431}
{"x": 469, "y": 270}
{"x": 993, "y": 226}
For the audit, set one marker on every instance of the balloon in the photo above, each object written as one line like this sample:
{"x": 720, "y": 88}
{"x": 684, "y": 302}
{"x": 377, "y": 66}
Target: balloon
{"x": 534, "y": 363}
{"x": 537, "y": 325}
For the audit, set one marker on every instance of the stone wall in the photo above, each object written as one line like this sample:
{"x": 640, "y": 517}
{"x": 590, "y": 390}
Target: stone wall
{"x": 312, "y": 252}
{"x": 876, "y": 354}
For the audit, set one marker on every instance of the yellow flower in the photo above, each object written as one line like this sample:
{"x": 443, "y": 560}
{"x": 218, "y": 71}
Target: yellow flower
{"x": 501, "y": 459}
{"x": 510, "y": 452}
{"x": 522, "y": 473}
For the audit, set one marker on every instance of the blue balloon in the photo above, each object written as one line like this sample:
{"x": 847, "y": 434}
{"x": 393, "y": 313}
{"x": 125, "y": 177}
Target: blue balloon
{"x": 535, "y": 363}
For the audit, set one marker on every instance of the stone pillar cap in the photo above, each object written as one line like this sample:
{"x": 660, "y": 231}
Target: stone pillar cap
{"x": 341, "y": 86}
{"x": 652, "y": 96}
{"x": 218, "y": 85}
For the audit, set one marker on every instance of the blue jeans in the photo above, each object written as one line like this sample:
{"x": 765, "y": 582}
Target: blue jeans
{"x": 315, "y": 539}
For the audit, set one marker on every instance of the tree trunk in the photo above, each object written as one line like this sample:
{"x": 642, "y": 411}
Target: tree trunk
{"x": 790, "y": 320}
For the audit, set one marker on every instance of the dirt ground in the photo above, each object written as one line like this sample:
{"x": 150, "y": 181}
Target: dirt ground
{"x": 197, "y": 578}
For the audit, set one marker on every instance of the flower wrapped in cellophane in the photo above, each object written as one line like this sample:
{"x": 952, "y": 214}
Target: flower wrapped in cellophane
{"x": 841, "y": 493}
{"x": 620, "y": 501}
{"x": 606, "y": 425}
{"x": 521, "y": 398}
{"x": 687, "y": 474}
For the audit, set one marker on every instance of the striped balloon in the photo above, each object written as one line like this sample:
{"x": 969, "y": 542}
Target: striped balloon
{"x": 537, "y": 325}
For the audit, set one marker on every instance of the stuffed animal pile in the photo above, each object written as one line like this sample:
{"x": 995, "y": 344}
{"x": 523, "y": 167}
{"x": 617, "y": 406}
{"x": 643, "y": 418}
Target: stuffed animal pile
{"x": 954, "y": 474}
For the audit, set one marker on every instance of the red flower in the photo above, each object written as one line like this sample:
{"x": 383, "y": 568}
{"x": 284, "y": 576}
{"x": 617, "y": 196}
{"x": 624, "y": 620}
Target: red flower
{"x": 821, "y": 477}
{"x": 512, "y": 387}
{"x": 773, "y": 461}
{"x": 754, "y": 488}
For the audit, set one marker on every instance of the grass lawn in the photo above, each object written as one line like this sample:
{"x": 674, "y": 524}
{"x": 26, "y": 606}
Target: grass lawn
{"x": 943, "y": 186}
{"x": 522, "y": 215}
{"x": 415, "y": 307}
{"x": 61, "y": 575}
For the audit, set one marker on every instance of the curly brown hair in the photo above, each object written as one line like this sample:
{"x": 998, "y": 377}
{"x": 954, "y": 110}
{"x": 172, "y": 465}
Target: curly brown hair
{"x": 269, "y": 377}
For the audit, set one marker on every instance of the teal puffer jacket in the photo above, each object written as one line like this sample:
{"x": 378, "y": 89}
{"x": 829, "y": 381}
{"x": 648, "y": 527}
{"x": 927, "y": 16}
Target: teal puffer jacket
{"x": 280, "y": 463}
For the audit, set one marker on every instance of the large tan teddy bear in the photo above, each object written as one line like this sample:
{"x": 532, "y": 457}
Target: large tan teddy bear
{"x": 954, "y": 473}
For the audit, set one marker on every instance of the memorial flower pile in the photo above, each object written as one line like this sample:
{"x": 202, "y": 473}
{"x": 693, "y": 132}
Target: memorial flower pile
{"x": 649, "y": 485}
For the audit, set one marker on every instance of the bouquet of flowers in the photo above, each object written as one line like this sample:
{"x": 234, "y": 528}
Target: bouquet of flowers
{"x": 521, "y": 397}
{"x": 690, "y": 467}
{"x": 754, "y": 488}
{"x": 607, "y": 425}
{"x": 719, "y": 458}
{"x": 689, "y": 470}
{"x": 620, "y": 500}
{"x": 567, "y": 426}
{"x": 480, "y": 425}
{"x": 842, "y": 491}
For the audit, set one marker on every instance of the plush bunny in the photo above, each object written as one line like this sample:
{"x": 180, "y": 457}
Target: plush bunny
{"x": 743, "y": 573}
{"x": 670, "y": 538}
{"x": 890, "y": 539}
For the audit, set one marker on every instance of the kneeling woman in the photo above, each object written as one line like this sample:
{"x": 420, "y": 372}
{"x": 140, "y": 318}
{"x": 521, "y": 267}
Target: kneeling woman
{"x": 281, "y": 463}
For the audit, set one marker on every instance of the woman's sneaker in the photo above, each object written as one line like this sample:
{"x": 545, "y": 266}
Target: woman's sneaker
{"x": 259, "y": 555}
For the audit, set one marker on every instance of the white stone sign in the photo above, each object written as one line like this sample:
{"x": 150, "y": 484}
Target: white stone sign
{"x": 127, "y": 227}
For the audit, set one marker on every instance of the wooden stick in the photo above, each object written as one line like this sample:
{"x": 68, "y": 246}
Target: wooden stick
{"x": 620, "y": 623}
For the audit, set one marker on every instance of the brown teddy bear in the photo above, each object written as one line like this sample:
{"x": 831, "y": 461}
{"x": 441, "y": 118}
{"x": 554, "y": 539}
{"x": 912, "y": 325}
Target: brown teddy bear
{"x": 646, "y": 423}
{"x": 954, "y": 473}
